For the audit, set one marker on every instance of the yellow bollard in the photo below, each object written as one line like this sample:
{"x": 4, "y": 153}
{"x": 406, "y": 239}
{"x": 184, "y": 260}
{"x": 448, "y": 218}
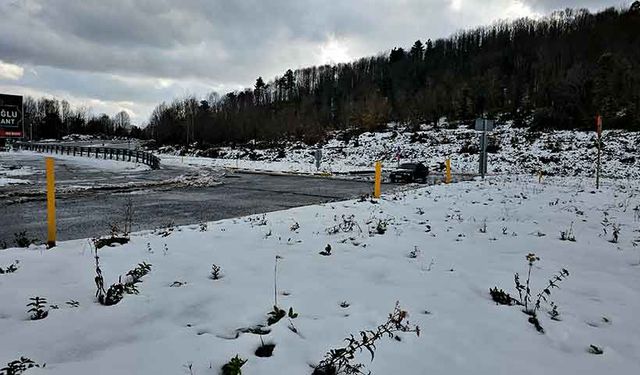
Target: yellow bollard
{"x": 447, "y": 176}
{"x": 51, "y": 204}
{"x": 376, "y": 186}
{"x": 539, "y": 177}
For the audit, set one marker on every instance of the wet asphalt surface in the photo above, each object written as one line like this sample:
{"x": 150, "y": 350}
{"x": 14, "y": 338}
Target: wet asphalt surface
{"x": 90, "y": 198}
{"x": 88, "y": 214}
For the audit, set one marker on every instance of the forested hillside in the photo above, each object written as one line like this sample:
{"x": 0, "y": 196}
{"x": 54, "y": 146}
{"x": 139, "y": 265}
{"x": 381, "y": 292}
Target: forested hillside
{"x": 555, "y": 72}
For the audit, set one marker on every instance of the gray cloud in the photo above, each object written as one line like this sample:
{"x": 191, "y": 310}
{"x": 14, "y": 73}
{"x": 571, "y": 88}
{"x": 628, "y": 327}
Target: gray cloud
{"x": 146, "y": 51}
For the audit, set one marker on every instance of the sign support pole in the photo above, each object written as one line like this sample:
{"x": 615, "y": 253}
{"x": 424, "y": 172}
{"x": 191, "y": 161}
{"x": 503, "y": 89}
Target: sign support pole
{"x": 51, "y": 203}
{"x": 598, "y": 163}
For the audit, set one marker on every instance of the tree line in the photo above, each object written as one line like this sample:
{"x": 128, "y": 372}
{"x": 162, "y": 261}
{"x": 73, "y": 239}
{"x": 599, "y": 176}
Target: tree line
{"x": 557, "y": 72}
{"x": 49, "y": 118}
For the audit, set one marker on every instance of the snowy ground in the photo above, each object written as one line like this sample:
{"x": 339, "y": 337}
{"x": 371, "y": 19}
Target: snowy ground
{"x": 166, "y": 328}
{"x": 512, "y": 151}
{"x": 9, "y": 172}
{"x": 85, "y": 162}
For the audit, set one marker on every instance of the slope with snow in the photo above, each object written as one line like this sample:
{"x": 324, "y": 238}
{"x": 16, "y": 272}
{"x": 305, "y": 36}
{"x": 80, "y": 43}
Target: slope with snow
{"x": 512, "y": 151}
{"x": 437, "y": 250}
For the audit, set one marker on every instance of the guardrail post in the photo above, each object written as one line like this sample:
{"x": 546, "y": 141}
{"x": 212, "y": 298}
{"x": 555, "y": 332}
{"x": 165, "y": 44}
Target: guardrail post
{"x": 378, "y": 180}
{"x": 447, "y": 175}
{"x": 51, "y": 204}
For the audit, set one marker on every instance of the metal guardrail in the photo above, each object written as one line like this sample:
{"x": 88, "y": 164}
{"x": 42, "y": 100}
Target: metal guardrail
{"x": 99, "y": 152}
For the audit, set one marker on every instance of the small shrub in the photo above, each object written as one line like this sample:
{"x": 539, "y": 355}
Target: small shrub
{"x": 233, "y": 367}
{"x": 595, "y": 350}
{"x": 483, "y": 228}
{"x": 348, "y": 224}
{"x": 381, "y": 227}
{"x": 13, "y": 267}
{"x": 291, "y": 314}
{"x": 114, "y": 294}
{"x": 327, "y": 251}
{"x": 265, "y": 350}
{"x": 110, "y": 241}
{"x": 137, "y": 273}
{"x": 258, "y": 220}
{"x": 215, "y": 272}
{"x": 203, "y": 226}
{"x": 567, "y": 235}
{"x": 128, "y": 214}
{"x": 413, "y": 254}
{"x": 18, "y": 366}
{"x": 500, "y": 297}
{"x": 615, "y": 233}
{"x": 72, "y": 303}
{"x": 275, "y": 315}
{"x": 37, "y": 308}
{"x": 166, "y": 229}
{"x": 295, "y": 226}
{"x": 22, "y": 239}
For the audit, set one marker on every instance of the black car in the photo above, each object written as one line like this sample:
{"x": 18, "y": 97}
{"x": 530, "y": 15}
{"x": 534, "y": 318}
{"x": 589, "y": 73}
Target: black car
{"x": 410, "y": 172}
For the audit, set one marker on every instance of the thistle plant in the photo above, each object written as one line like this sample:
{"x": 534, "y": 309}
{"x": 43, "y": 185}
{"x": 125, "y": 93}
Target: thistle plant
{"x": 525, "y": 296}
{"x": 341, "y": 360}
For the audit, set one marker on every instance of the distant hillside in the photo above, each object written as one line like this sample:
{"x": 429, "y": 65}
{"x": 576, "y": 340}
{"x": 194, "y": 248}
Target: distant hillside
{"x": 556, "y": 72}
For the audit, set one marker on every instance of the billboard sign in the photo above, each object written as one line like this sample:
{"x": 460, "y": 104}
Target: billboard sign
{"x": 11, "y": 116}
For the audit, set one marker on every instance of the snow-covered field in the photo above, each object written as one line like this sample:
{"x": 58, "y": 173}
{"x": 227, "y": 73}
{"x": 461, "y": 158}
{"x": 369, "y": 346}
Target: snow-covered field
{"x": 513, "y": 151}
{"x": 437, "y": 250}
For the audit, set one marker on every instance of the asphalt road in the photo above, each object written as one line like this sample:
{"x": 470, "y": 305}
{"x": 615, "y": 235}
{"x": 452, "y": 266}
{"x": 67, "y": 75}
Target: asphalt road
{"x": 90, "y": 197}
{"x": 88, "y": 214}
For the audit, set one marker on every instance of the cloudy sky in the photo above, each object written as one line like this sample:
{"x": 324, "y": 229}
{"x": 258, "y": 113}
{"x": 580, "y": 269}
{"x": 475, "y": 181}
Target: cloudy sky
{"x": 113, "y": 55}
